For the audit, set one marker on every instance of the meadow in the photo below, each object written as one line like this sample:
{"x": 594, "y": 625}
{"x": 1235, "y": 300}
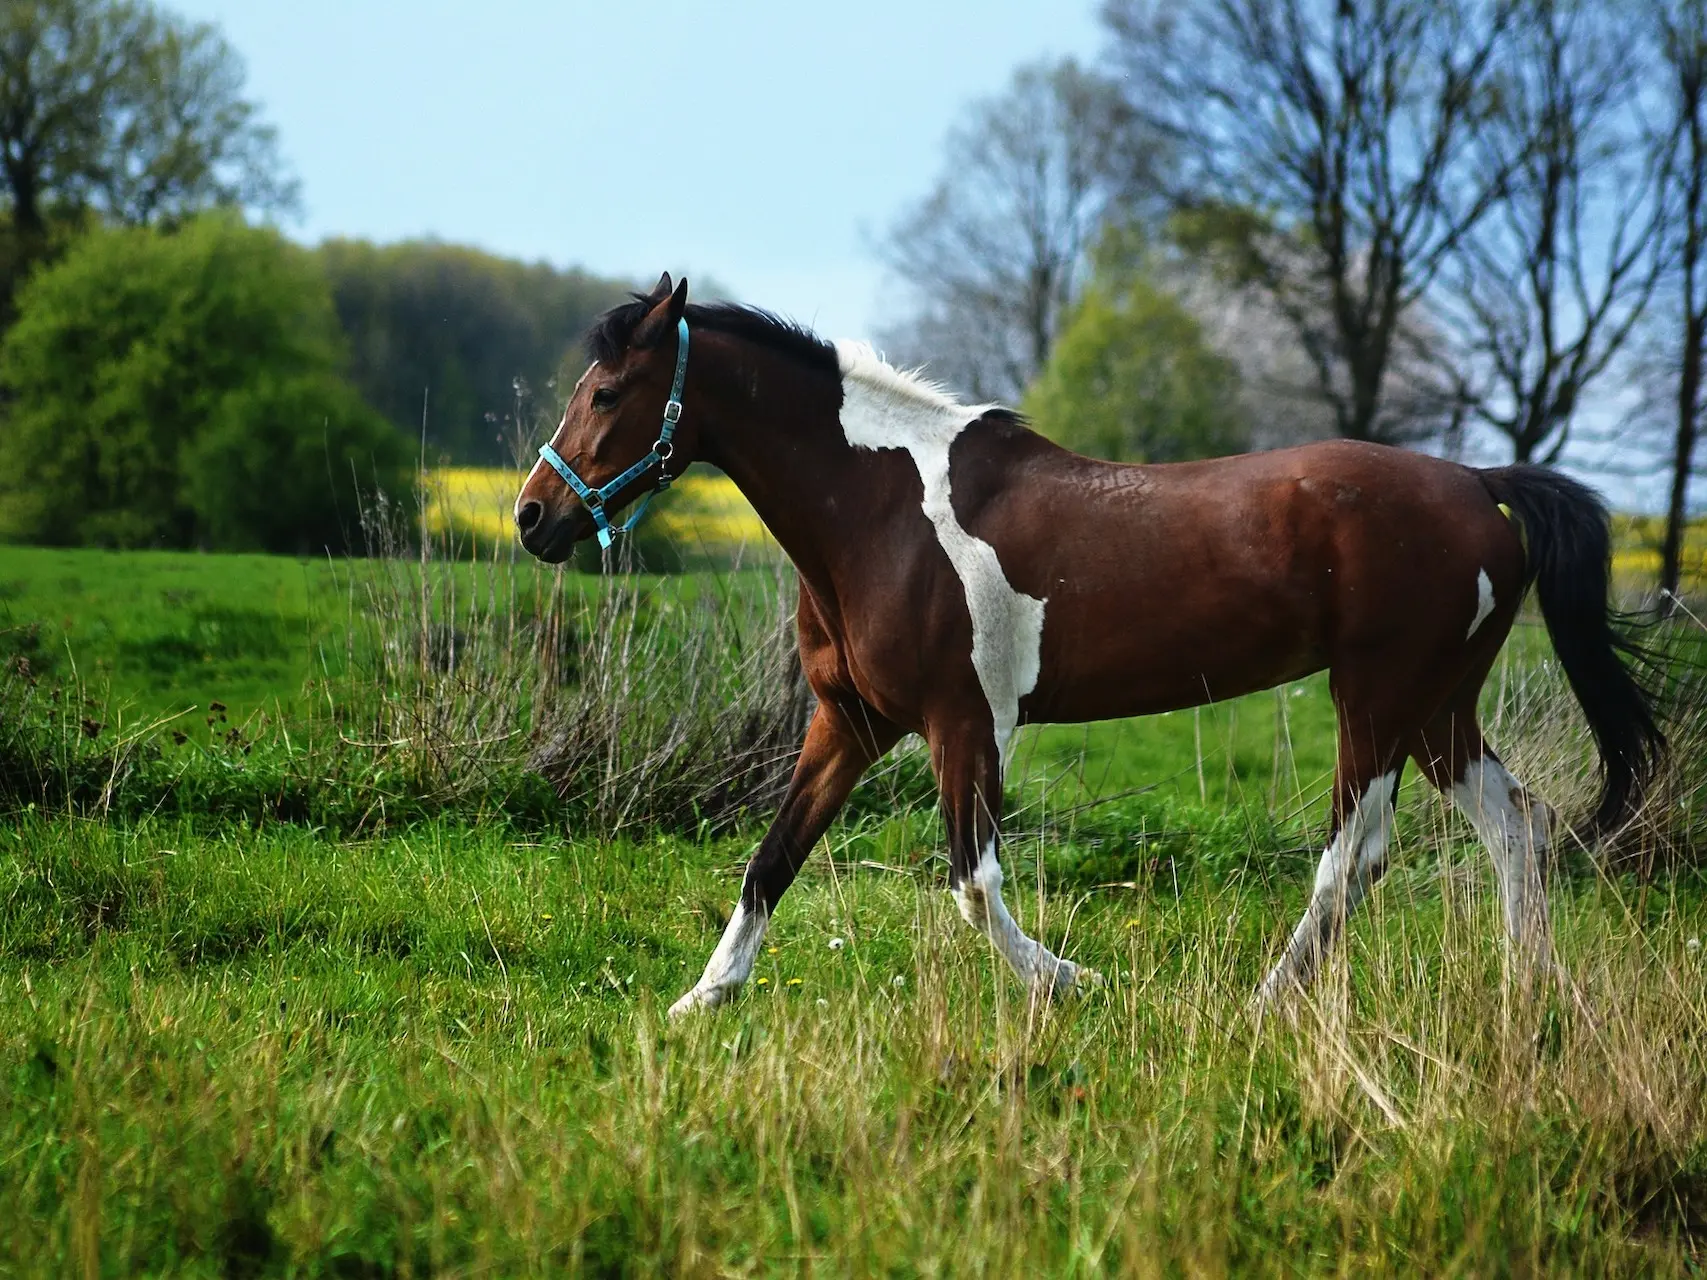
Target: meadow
{"x": 363, "y": 972}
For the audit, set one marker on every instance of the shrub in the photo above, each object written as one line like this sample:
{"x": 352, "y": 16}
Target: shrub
{"x": 158, "y": 382}
{"x": 1131, "y": 378}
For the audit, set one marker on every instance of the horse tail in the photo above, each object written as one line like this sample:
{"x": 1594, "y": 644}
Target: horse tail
{"x": 1568, "y": 557}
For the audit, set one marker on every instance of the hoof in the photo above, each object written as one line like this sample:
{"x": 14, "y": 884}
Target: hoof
{"x": 1278, "y": 995}
{"x": 1271, "y": 992}
{"x": 701, "y": 998}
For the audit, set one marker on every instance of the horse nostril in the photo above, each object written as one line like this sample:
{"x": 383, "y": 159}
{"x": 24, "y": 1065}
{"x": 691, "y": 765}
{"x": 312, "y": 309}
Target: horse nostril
{"x": 528, "y": 516}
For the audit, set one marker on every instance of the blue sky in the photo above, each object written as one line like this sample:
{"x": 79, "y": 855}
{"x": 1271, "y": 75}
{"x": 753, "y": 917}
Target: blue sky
{"x": 764, "y": 143}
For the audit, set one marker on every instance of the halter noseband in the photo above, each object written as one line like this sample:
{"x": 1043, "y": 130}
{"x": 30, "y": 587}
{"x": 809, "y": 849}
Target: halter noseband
{"x": 662, "y": 450}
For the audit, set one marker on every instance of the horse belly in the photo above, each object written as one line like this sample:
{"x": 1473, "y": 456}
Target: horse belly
{"x": 1110, "y": 662}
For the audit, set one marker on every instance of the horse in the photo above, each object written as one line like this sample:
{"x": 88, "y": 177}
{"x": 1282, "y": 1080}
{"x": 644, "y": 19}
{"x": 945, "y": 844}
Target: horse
{"x": 960, "y": 575}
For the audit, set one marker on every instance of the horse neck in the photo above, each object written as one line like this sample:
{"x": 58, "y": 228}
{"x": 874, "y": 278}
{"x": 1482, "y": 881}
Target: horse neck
{"x": 771, "y": 425}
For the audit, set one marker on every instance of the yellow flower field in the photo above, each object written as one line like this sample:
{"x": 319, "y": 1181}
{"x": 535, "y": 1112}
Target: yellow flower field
{"x": 1636, "y": 551}
{"x": 703, "y": 510}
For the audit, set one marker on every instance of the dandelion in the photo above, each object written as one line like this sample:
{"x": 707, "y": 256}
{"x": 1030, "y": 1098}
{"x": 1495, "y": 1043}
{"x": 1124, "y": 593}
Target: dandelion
{"x": 770, "y": 951}
{"x": 795, "y": 982}
{"x": 898, "y": 981}
{"x": 764, "y": 982}
{"x": 547, "y": 917}
{"x": 836, "y": 944}
{"x": 823, "y": 1003}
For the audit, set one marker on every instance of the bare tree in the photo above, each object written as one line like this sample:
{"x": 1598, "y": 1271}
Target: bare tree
{"x": 991, "y": 259}
{"x": 1537, "y": 300}
{"x": 1278, "y": 394}
{"x": 1677, "y": 30}
{"x": 1323, "y": 145}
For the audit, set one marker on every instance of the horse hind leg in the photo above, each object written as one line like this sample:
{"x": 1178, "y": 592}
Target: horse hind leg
{"x": 1353, "y": 862}
{"x": 1516, "y": 828}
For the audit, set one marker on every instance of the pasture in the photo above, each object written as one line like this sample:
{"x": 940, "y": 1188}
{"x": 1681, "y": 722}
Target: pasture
{"x": 306, "y": 1000}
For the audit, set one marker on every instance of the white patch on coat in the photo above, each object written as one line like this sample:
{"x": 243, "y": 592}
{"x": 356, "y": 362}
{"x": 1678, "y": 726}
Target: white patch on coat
{"x": 1350, "y": 866}
{"x": 730, "y": 964}
{"x": 1516, "y": 828}
{"x": 884, "y": 408}
{"x": 981, "y": 905}
{"x": 1484, "y": 601}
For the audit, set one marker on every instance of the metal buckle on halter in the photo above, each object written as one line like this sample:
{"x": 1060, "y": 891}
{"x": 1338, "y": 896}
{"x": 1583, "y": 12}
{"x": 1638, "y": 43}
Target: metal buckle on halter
{"x": 673, "y": 411}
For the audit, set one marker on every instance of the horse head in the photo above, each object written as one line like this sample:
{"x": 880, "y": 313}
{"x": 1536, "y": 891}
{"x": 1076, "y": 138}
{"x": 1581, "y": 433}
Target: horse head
{"x": 617, "y": 438}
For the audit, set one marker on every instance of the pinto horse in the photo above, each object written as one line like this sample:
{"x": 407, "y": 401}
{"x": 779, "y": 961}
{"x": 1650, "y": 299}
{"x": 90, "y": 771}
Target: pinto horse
{"x": 960, "y": 576}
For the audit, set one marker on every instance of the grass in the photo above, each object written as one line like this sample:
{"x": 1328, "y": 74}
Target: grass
{"x": 407, "y": 1025}
{"x": 166, "y": 630}
{"x": 443, "y": 1052}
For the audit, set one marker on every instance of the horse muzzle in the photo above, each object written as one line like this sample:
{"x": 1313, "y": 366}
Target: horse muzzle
{"x": 549, "y": 535}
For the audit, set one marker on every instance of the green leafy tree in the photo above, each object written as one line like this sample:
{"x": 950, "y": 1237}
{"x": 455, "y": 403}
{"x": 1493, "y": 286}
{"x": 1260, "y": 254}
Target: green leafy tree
{"x": 183, "y": 390}
{"x": 1131, "y": 377}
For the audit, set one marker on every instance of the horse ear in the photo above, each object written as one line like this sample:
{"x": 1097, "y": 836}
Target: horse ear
{"x": 663, "y": 288}
{"x": 662, "y": 318}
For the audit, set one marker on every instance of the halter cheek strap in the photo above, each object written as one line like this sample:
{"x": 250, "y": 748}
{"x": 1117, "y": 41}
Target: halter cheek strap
{"x": 662, "y": 450}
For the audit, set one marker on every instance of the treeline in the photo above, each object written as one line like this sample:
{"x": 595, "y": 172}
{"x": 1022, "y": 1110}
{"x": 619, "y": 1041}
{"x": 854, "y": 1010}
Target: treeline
{"x": 471, "y": 342}
{"x": 173, "y": 371}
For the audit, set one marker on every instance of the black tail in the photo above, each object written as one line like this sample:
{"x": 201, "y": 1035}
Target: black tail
{"x": 1569, "y": 548}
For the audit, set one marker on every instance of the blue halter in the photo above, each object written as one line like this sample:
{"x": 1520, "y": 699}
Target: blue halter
{"x": 662, "y": 451}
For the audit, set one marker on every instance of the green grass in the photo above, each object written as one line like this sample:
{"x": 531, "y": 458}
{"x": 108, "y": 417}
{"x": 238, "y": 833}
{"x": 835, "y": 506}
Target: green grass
{"x": 369, "y": 1033}
{"x": 170, "y": 630}
{"x": 443, "y": 1052}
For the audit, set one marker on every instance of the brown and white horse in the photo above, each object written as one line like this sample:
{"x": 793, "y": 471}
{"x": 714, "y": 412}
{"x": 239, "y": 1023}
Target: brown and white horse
{"x": 960, "y": 575}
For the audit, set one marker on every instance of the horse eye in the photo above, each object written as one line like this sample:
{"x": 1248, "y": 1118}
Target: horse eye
{"x": 604, "y": 397}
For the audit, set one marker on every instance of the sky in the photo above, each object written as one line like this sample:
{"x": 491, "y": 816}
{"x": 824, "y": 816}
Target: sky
{"x": 762, "y": 144}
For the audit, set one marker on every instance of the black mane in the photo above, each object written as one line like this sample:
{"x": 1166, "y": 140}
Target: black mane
{"x": 612, "y": 332}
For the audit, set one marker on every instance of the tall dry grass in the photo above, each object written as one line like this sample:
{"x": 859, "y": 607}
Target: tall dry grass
{"x": 1532, "y": 716}
{"x": 644, "y": 701}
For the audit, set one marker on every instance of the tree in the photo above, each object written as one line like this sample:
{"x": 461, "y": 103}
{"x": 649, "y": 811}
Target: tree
{"x": 1131, "y": 378}
{"x": 992, "y": 258}
{"x": 1322, "y": 144}
{"x": 181, "y": 136}
{"x": 114, "y": 109}
{"x": 1538, "y": 299}
{"x": 463, "y": 328}
{"x": 182, "y": 390}
{"x": 1677, "y": 30}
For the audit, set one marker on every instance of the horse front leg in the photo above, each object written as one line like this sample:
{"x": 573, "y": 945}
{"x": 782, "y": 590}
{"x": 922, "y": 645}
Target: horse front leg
{"x": 840, "y": 745}
{"x": 969, "y": 778}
